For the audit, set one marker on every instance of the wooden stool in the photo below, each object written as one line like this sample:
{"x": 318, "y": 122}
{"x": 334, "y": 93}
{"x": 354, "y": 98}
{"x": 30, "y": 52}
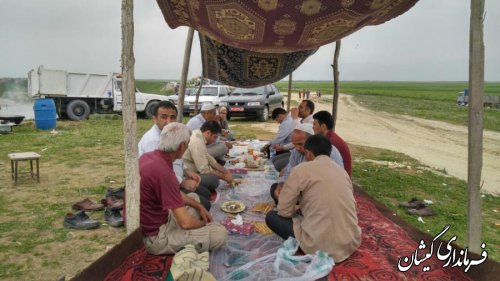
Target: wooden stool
{"x": 24, "y": 156}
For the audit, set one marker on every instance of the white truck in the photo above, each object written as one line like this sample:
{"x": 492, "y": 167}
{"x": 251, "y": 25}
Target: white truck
{"x": 77, "y": 95}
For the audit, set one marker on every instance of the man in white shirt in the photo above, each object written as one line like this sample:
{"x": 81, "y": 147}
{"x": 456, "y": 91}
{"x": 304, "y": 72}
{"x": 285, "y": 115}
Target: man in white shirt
{"x": 166, "y": 113}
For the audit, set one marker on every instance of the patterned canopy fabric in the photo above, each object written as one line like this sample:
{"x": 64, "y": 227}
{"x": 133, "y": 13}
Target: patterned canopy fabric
{"x": 242, "y": 68}
{"x": 279, "y": 26}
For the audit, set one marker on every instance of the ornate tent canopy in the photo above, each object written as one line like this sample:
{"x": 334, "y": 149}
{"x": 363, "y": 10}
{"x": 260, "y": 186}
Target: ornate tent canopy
{"x": 279, "y": 26}
{"x": 242, "y": 68}
{"x": 247, "y": 43}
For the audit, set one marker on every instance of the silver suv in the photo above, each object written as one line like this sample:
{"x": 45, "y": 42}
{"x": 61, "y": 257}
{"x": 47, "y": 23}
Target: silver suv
{"x": 208, "y": 93}
{"x": 258, "y": 102}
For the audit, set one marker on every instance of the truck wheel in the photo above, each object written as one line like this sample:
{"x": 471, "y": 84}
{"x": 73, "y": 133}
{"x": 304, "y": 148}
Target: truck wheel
{"x": 265, "y": 114}
{"x": 150, "y": 108}
{"x": 77, "y": 110}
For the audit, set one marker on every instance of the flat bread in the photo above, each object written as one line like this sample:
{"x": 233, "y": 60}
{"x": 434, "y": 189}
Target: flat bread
{"x": 262, "y": 228}
{"x": 263, "y": 207}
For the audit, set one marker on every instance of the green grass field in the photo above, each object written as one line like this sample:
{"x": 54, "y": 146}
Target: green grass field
{"x": 428, "y": 100}
{"x": 84, "y": 158}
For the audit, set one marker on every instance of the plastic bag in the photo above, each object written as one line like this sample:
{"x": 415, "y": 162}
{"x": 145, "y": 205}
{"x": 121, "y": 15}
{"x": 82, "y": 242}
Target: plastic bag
{"x": 284, "y": 266}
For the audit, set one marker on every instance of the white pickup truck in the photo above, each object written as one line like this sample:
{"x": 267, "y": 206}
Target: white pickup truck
{"x": 77, "y": 95}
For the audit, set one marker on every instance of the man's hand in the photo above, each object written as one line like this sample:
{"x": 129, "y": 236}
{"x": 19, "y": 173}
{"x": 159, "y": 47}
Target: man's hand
{"x": 294, "y": 112}
{"x": 278, "y": 147}
{"x": 192, "y": 176}
{"x": 228, "y": 177}
{"x": 282, "y": 172}
{"x": 278, "y": 189}
{"x": 189, "y": 184}
{"x": 205, "y": 215}
{"x": 228, "y": 145}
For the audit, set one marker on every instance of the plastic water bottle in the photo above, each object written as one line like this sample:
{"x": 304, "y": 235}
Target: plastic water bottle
{"x": 272, "y": 152}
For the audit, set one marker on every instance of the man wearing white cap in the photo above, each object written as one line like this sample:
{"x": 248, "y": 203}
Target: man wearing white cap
{"x": 208, "y": 113}
{"x": 299, "y": 136}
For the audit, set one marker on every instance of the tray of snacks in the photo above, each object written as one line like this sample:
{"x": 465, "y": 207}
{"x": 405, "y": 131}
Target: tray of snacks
{"x": 233, "y": 206}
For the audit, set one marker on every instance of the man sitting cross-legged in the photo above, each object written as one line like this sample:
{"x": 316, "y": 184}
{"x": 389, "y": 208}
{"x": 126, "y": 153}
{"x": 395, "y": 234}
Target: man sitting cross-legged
{"x": 327, "y": 219}
{"x": 169, "y": 218}
{"x": 299, "y": 136}
{"x": 197, "y": 159}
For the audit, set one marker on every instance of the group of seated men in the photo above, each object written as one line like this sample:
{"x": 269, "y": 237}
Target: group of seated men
{"x": 179, "y": 171}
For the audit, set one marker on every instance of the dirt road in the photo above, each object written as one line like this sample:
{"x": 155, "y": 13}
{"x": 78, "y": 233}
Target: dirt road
{"x": 437, "y": 144}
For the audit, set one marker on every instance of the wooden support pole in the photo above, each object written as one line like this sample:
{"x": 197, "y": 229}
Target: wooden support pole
{"x": 336, "y": 85}
{"x": 289, "y": 92}
{"x": 475, "y": 148}
{"x": 184, "y": 73}
{"x": 129, "y": 118}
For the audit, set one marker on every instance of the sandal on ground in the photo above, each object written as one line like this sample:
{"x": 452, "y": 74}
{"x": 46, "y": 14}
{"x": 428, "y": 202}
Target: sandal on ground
{"x": 413, "y": 203}
{"x": 421, "y": 210}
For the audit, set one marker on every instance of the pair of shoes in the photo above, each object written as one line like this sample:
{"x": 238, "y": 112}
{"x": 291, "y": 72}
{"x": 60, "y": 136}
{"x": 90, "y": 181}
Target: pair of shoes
{"x": 113, "y": 217}
{"x": 112, "y": 202}
{"x": 118, "y": 193}
{"x": 87, "y": 205}
{"x": 421, "y": 210}
{"x": 80, "y": 220}
{"x": 413, "y": 203}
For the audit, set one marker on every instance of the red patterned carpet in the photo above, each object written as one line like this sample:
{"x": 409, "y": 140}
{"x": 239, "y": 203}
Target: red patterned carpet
{"x": 142, "y": 266}
{"x": 383, "y": 242}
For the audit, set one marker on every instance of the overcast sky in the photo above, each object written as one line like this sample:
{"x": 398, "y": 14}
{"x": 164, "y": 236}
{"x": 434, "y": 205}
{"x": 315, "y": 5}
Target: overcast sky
{"x": 428, "y": 43}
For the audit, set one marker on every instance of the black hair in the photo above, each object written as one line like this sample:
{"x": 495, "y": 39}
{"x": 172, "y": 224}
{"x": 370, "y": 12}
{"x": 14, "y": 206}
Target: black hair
{"x": 324, "y": 117}
{"x": 310, "y": 105}
{"x": 277, "y": 111}
{"x": 212, "y": 126}
{"x": 165, "y": 104}
{"x": 318, "y": 145}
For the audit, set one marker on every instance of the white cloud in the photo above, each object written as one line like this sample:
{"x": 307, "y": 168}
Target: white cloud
{"x": 430, "y": 42}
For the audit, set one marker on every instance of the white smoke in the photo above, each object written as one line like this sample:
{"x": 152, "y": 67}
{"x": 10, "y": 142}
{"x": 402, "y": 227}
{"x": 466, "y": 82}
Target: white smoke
{"x": 14, "y": 99}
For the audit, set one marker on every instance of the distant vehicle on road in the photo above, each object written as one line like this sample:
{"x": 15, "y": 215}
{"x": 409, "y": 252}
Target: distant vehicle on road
{"x": 208, "y": 93}
{"x": 253, "y": 102}
{"x": 488, "y": 101}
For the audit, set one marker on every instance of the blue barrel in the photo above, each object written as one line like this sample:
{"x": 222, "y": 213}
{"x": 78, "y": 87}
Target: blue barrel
{"x": 45, "y": 114}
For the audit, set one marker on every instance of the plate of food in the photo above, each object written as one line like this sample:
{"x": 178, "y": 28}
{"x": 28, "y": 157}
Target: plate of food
{"x": 233, "y": 206}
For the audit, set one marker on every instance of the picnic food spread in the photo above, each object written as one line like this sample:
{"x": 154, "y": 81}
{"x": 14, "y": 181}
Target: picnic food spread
{"x": 233, "y": 207}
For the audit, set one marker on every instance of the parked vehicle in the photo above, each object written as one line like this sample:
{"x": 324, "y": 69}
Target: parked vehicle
{"x": 258, "y": 102}
{"x": 77, "y": 95}
{"x": 488, "y": 101}
{"x": 208, "y": 93}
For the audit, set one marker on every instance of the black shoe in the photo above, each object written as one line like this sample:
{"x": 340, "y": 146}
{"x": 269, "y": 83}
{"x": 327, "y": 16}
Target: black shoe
{"x": 118, "y": 193}
{"x": 80, "y": 220}
{"x": 113, "y": 217}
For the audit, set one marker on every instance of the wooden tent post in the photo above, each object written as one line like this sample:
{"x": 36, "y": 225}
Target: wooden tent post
{"x": 336, "y": 86}
{"x": 129, "y": 118}
{"x": 475, "y": 149}
{"x": 184, "y": 73}
{"x": 289, "y": 92}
